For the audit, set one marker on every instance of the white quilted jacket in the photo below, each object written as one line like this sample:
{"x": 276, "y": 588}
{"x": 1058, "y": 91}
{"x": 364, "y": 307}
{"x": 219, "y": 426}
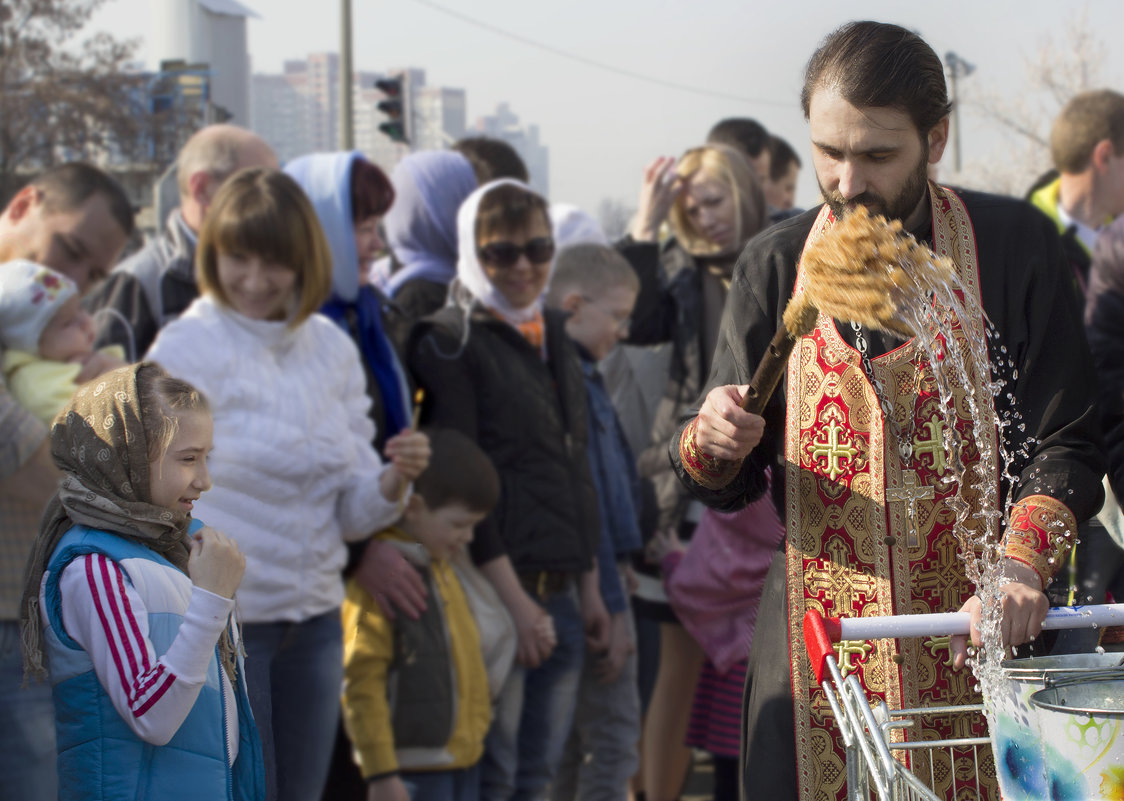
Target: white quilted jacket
{"x": 294, "y": 472}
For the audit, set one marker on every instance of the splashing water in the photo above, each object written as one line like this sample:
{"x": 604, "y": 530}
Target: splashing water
{"x": 932, "y": 310}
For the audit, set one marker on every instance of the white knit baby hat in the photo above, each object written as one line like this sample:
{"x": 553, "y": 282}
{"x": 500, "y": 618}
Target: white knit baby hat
{"x": 30, "y": 295}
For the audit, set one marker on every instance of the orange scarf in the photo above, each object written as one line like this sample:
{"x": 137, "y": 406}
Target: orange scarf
{"x": 532, "y": 330}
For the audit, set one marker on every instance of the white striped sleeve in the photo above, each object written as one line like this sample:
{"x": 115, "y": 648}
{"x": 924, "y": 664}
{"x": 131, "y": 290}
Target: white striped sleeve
{"x": 103, "y": 612}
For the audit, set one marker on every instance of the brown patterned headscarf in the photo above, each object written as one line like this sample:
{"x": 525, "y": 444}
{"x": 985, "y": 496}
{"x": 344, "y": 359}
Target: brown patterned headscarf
{"x": 99, "y": 443}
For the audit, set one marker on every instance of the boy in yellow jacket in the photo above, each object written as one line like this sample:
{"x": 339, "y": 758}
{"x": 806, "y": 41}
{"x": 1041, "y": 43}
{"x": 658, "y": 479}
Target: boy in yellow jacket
{"x": 416, "y": 697}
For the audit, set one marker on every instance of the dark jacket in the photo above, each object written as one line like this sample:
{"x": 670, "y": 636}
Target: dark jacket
{"x": 1104, "y": 322}
{"x": 669, "y": 308}
{"x": 146, "y": 291}
{"x": 529, "y": 416}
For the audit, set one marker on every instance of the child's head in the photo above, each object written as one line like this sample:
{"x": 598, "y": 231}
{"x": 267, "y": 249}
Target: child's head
{"x": 506, "y": 244}
{"x": 458, "y": 490}
{"x": 40, "y": 313}
{"x": 178, "y": 431}
{"x": 261, "y": 250}
{"x": 598, "y": 288}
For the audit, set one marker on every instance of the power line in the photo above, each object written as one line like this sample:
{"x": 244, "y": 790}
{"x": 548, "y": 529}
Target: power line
{"x": 681, "y": 87}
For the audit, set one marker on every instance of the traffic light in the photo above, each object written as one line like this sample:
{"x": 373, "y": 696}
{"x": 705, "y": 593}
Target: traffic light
{"x": 397, "y": 125}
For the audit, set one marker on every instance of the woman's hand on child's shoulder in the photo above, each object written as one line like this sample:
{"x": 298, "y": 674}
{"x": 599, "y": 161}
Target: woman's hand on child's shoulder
{"x": 216, "y": 564}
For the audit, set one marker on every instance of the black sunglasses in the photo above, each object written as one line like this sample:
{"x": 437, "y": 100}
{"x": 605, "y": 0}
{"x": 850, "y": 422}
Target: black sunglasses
{"x": 506, "y": 254}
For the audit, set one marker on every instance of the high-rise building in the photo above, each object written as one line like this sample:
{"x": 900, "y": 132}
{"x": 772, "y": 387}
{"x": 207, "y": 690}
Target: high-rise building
{"x": 440, "y": 116}
{"x": 297, "y": 112}
{"x": 504, "y": 124}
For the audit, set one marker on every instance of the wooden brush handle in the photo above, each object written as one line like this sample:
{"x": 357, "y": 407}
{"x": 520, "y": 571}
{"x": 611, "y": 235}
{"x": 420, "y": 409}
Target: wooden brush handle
{"x": 769, "y": 371}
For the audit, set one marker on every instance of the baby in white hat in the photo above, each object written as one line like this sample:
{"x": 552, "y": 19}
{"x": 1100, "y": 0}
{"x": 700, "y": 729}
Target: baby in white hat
{"x": 47, "y": 338}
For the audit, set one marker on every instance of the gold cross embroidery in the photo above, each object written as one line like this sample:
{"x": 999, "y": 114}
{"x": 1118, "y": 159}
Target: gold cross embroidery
{"x": 938, "y": 644}
{"x": 846, "y": 649}
{"x": 945, "y": 578}
{"x": 837, "y": 582}
{"x": 934, "y": 445}
{"x": 910, "y": 493}
{"x": 834, "y": 450}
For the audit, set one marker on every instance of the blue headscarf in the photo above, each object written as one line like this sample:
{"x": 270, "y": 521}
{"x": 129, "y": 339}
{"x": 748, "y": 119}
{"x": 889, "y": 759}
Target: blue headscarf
{"x": 421, "y": 226}
{"x": 326, "y": 179}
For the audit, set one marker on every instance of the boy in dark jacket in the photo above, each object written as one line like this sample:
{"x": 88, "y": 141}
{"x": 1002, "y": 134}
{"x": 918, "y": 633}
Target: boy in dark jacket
{"x": 597, "y": 288}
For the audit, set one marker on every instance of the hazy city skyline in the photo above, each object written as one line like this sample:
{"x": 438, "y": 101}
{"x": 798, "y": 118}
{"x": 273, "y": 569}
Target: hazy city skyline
{"x": 602, "y": 127}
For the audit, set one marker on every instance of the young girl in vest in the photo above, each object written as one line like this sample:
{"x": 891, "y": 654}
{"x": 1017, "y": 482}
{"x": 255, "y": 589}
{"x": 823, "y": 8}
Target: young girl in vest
{"x": 296, "y": 475}
{"x": 499, "y": 369}
{"x": 128, "y": 602}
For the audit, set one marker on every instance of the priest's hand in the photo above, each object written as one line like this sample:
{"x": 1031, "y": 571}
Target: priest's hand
{"x": 1024, "y": 609}
{"x": 726, "y": 430}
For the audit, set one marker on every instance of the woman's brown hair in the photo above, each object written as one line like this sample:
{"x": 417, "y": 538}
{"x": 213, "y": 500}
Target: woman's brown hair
{"x": 263, "y": 212}
{"x": 509, "y": 208}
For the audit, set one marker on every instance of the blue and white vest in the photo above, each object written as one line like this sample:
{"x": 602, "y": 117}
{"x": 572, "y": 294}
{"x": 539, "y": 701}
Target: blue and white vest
{"x": 99, "y": 756}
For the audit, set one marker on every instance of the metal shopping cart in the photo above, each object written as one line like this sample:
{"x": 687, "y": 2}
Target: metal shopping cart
{"x": 876, "y": 764}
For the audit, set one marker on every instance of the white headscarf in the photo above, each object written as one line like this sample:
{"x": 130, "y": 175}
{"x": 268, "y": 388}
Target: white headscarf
{"x": 573, "y": 226}
{"x": 470, "y": 273}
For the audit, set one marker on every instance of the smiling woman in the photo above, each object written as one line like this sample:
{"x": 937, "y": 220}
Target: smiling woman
{"x": 295, "y": 472}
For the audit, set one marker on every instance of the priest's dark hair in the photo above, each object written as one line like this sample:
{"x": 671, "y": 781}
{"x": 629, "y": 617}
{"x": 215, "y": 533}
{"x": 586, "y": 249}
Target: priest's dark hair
{"x": 879, "y": 65}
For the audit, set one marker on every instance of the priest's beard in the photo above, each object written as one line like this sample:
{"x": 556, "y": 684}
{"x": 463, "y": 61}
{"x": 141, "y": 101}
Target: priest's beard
{"x": 898, "y": 207}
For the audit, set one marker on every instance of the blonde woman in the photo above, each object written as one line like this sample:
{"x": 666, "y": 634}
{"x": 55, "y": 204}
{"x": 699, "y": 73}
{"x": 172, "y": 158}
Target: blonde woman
{"x": 714, "y": 203}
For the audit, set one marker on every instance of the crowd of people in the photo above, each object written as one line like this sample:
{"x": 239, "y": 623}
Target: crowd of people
{"x": 357, "y": 486}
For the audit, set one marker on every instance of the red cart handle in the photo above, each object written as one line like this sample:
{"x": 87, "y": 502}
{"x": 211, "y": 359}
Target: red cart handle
{"x": 820, "y": 635}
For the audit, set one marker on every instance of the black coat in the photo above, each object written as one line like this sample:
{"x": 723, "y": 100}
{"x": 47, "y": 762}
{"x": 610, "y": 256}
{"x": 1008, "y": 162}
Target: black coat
{"x": 529, "y": 416}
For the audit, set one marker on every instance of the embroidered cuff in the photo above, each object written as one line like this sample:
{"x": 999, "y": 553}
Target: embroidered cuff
{"x": 1039, "y": 534}
{"x": 706, "y": 470}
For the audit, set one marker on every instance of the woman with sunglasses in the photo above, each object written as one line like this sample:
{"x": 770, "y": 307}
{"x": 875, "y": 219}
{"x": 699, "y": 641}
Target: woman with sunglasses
{"x": 714, "y": 203}
{"x": 499, "y": 368}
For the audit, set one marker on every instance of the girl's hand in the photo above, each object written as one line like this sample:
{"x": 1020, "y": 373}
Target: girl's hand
{"x": 658, "y": 193}
{"x": 408, "y": 451}
{"x": 215, "y": 563}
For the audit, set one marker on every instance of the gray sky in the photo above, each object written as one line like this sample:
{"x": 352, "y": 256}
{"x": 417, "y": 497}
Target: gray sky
{"x": 602, "y": 127}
